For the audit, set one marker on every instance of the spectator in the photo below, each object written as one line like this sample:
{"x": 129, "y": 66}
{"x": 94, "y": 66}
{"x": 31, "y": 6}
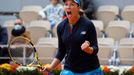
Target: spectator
{"x": 88, "y": 8}
{"x": 3, "y": 36}
{"x": 3, "y": 41}
{"x": 53, "y": 12}
{"x": 25, "y": 33}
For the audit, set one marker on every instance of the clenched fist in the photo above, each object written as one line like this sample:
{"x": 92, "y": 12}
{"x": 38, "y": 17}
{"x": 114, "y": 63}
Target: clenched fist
{"x": 86, "y": 47}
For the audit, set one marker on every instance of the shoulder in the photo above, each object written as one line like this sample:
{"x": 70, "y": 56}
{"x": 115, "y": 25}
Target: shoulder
{"x": 86, "y": 22}
{"x": 59, "y": 5}
{"x": 3, "y": 29}
{"x": 48, "y": 6}
{"x": 62, "y": 25}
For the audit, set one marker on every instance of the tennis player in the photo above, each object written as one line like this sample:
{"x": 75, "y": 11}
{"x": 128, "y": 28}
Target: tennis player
{"x": 77, "y": 43}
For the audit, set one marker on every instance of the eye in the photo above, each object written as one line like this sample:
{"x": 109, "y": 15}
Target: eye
{"x": 72, "y": 4}
{"x": 66, "y": 4}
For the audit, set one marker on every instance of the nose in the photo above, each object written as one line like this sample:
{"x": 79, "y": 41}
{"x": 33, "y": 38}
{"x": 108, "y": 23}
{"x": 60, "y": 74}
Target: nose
{"x": 68, "y": 8}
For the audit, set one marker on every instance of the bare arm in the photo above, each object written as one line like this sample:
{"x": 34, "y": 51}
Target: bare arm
{"x": 52, "y": 66}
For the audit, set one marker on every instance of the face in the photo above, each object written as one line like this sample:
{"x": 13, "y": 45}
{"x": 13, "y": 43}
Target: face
{"x": 54, "y": 2}
{"x": 71, "y": 8}
{"x": 18, "y": 21}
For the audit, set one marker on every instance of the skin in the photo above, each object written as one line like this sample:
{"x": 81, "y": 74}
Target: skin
{"x": 72, "y": 11}
{"x": 54, "y": 2}
{"x": 86, "y": 47}
{"x": 18, "y": 21}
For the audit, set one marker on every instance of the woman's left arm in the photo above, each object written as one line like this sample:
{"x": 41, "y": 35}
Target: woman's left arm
{"x": 92, "y": 38}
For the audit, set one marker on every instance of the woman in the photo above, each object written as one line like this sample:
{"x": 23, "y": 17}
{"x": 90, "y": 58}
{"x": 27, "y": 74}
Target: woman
{"x": 77, "y": 43}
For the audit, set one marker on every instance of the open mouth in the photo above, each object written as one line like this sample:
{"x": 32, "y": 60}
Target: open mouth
{"x": 69, "y": 13}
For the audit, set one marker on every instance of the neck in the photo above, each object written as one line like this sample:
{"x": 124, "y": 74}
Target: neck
{"x": 73, "y": 20}
{"x": 54, "y": 4}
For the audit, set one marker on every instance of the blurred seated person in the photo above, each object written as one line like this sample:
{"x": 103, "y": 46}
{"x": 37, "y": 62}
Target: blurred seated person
{"x": 3, "y": 41}
{"x": 25, "y": 34}
{"x": 20, "y": 30}
{"x": 53, "y": 12}
{"x": 88, "y": 7}
{"x": 3, "y": 36}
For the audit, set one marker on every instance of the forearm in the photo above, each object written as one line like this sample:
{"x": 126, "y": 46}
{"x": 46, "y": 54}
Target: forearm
{"x": 93, "y": 39}
{"x": 54, "y": 63}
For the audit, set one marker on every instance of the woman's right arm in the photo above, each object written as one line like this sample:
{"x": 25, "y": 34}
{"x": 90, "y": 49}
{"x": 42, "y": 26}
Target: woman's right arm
{"x": 54, "y": 63}
{"x": 61, "y": 51}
